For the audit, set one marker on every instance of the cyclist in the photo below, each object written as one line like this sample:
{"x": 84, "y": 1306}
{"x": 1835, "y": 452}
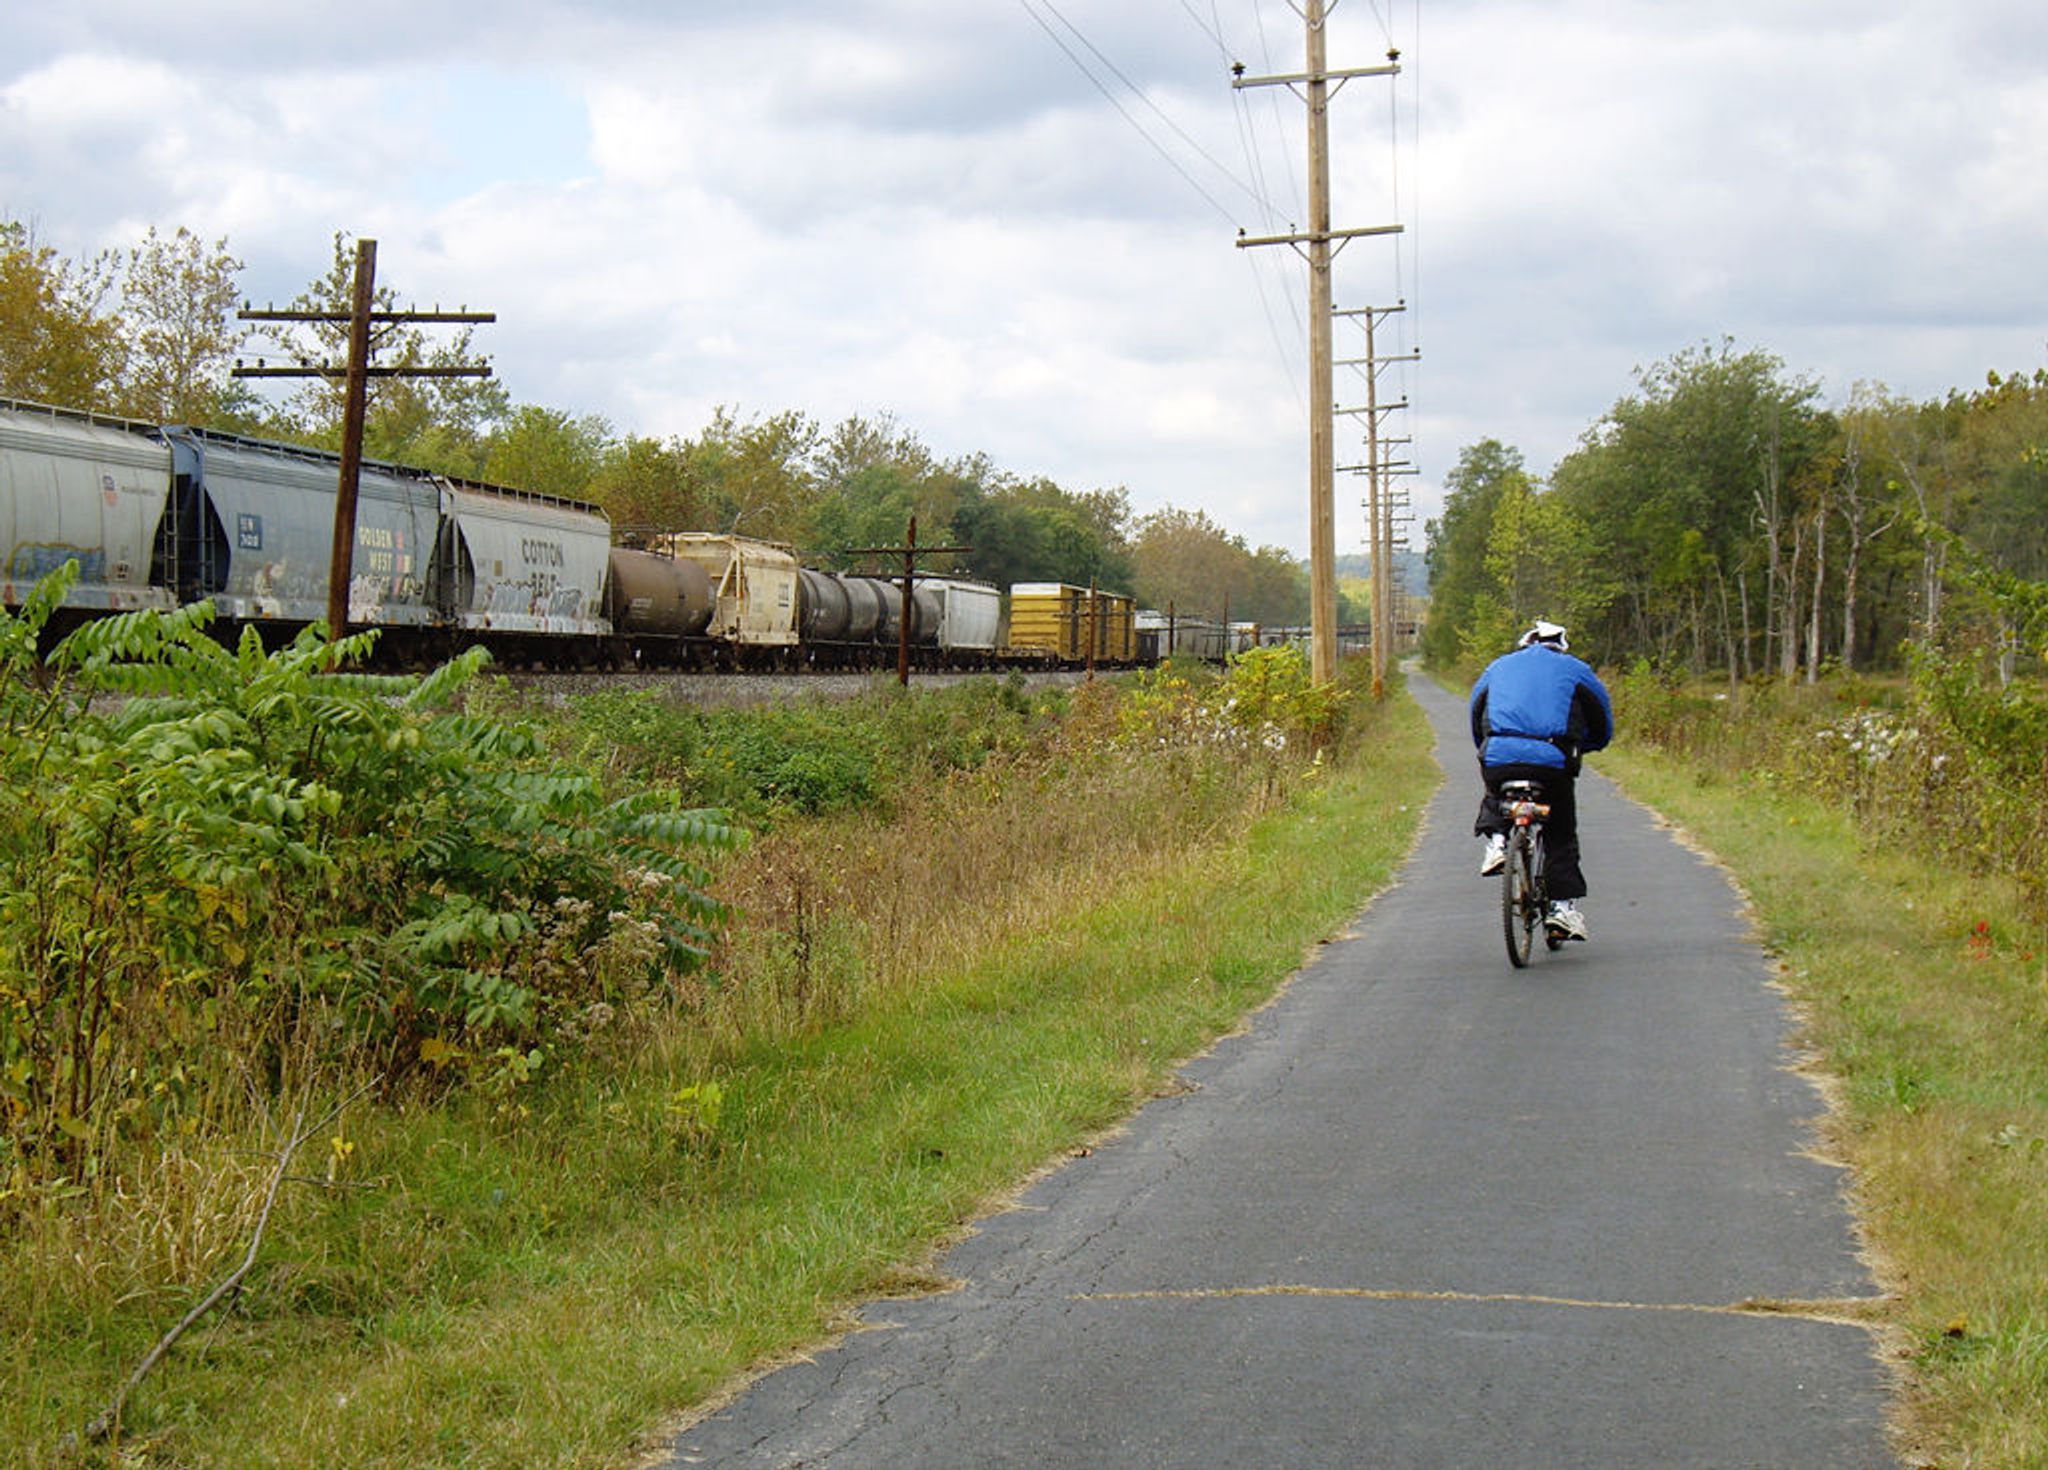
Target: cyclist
{"x": 1535, "y": 712}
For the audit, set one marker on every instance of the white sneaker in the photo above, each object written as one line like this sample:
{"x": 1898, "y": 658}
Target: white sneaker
{"x": 1496, "y": 856}
{"x": 1565, "y": 921}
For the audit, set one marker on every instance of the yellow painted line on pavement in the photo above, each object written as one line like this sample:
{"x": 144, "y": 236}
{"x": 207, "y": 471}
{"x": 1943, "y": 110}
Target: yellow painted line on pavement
{"x": 1843, "y": 1311}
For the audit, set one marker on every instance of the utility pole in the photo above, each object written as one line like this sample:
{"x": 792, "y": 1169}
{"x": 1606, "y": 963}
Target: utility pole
{"x": 1378, "y": 501}
{"x": 909, "y": 551}
{"x": 1313, "y": 86}
{"x": 355, "y": 375}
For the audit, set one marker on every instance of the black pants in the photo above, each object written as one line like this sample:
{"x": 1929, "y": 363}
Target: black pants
{"x": 1560, "y": 828}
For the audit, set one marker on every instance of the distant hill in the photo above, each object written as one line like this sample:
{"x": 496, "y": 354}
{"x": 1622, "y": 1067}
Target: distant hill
{"x": 1410, "y": 570}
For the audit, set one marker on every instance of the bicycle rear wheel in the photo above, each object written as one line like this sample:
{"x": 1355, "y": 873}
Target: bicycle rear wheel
{"x": 1518, "y": 916}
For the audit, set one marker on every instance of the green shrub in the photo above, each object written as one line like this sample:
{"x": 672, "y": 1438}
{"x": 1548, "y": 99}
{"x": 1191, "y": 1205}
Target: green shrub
{"x": 809, "y": 758}
{"x": 1950, "y": 764}
{"x": 218, "y": 865}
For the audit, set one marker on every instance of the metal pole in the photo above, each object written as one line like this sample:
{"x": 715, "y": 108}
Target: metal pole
{"x": 340, "y": 564}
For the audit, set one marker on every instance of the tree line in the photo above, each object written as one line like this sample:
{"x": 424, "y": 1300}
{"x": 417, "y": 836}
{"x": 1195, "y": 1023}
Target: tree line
{"x": 1721, "y": 518}
{"x": 151, "y": 333}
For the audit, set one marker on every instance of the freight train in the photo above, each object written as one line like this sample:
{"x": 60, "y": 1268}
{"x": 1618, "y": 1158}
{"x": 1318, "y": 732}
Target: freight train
{"x": 159, "y": 516}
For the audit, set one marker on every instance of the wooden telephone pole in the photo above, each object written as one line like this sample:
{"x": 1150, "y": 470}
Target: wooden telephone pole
{"x": 1313, "y": 86}
{"x": 356, "y": 374}
{"x": 910, "y": 551}
{"x": 1378, "y": 499}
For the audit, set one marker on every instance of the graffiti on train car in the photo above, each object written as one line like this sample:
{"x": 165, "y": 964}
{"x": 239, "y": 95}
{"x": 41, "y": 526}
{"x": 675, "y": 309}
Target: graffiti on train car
{"x": 32, "y": 561}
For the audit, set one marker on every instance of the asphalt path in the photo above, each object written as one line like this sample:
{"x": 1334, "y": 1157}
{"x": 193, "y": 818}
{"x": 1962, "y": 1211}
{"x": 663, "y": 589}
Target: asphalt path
{"x": 1425, "y": 1211}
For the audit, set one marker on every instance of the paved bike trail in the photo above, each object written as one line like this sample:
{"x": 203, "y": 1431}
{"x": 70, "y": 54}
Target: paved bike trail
{"x": 1426, "y": 1211}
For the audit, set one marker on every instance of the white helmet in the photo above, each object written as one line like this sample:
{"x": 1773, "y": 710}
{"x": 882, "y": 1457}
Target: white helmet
{"x": 1544, "y": 632}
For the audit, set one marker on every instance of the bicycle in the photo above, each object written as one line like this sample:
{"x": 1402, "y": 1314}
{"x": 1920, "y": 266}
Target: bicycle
{"x": 1524, "y": 895}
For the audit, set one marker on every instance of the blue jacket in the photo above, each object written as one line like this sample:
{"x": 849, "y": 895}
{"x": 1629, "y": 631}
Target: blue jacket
{"x": 1539, "y": 706}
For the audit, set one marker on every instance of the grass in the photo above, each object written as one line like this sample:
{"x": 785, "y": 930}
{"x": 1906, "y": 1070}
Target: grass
{"x": 545, "y": 1280}
{"x": 1923, "y": 993}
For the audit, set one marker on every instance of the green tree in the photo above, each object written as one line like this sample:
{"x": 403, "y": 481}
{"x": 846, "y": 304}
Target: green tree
{"x": 872, "y": 477}
{"x": 434, "y": 423}
{"x": 548, "y": 451}
{"x": 1277, "y": 591}
{"x": 57, "y": 344}
{"x": 647, "y": 487}
{"x": 1539, "y": 564}
{"x": 1035, "y": 531}
{"x": 1458, "y": 542}
{"x": 756, "y": 475}
{"x": 1715, "y": 441}
{"x": 178, "y": 300}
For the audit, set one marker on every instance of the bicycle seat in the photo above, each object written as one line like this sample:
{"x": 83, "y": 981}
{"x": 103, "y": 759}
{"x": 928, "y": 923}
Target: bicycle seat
{"x": 1521, "y": 790}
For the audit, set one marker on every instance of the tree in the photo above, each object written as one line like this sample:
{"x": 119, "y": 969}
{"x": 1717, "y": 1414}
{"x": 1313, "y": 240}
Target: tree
{"x": 1539, "y": 564}
{"x": 646, "y": 486}
{"x": 1717, "y": 442}
{"x": 56, "y": 344}
{"x": 1864, "y": 500}
{"x": 872, "y": 477}
{"x": 434, "y": 423}
{"x": 548, "y": 451}
{"x": 1035, "y": 531}
{"x": 755, "y": 475}
{"x": 1458, "y": 541}
{"x": 1186, "y": 561}
{"x": 1278, "y": 592}
{"x": 178, "y": 317}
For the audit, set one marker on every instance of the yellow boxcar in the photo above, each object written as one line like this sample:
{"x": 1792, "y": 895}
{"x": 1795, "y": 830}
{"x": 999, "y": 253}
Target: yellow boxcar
{"x": 1059, "y": 622}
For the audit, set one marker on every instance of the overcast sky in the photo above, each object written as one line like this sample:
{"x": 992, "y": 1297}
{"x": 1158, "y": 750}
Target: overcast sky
{"x": 1011, "y": 224}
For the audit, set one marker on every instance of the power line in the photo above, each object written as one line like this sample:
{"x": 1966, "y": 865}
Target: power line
{"x": 1248, "y": 143}
{"x": 1124, "y": 113}
{"x": 1258, "y": 195}
{"x": 1213, "y": 32}
{"x": 1139, "y": 93}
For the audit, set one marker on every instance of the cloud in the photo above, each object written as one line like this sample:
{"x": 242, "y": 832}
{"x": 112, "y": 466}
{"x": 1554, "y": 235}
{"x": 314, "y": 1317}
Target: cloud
{"x": 884, "y": 207}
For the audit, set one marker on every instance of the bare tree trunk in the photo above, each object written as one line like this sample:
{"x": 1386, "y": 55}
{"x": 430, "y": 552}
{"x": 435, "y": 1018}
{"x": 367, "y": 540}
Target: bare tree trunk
{"x": 1788, "y": 611}
{"x": 1727, "y": 632}
{"x": 1766, "y": 499}
{"x": 1855, "y": 516}
{"x": 1748, "y": 638}
{"x": 1849, "y": 570}
{"x": 1820, "y": 576}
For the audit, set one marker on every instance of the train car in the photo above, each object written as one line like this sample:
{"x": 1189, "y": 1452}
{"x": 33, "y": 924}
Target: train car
{"x": 84, "y": 488}
{"x": 755, "y": 589}
{"x": 1162, "y": 636}
{"x": 512, "y": 562}
{"x": 970, "y": 617}
{"x": 660, "y": 601}
{"x": 1112, "y": 628}
{"x": 256, "y": 532}
{"x": 1061, "y": 623}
